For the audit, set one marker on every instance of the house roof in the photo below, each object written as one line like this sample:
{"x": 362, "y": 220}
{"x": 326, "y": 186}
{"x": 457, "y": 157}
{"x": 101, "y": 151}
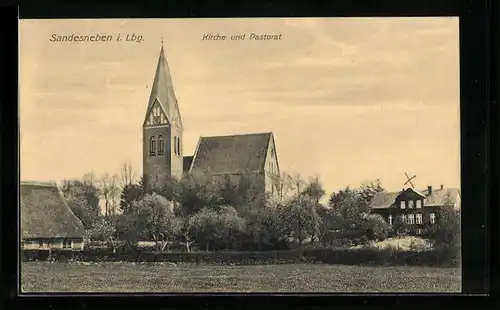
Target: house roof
{"x": 437, "y": 198}
{"x": 162, "y": 91}
{"x": 231, "y": 154}
{"x": 45, "y": 214}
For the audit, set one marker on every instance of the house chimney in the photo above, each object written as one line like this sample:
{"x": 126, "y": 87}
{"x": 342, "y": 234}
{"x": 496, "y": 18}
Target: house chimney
{"x": 429, "y": 190}
{"x": 442, "y": 186}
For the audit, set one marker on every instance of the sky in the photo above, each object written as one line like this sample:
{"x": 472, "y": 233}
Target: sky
{"x": 348, "y": 99}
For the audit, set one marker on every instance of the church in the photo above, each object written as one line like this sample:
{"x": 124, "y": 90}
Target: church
{"x": 220, "y": 157}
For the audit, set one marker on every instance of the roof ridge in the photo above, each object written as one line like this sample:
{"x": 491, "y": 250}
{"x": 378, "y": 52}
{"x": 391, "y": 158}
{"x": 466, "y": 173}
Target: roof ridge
{"x": 239, "y": 135}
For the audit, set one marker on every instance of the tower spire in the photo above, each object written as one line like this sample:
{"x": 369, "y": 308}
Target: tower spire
{"x": 162, "y": 90}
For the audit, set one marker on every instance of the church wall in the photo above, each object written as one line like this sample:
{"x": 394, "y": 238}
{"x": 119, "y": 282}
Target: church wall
{"x": 158, "y": 165}
{"x": 271, "y": 167}
{"x": 176, "y": 160}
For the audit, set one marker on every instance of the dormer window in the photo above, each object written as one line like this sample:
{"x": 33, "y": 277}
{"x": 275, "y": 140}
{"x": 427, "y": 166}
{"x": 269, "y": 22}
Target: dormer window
{"x": 403, "y": 205}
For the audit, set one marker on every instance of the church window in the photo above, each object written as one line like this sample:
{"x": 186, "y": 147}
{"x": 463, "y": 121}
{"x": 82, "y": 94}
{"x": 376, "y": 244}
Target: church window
{"x": 152, "y": 146}
{"x": 175, "y": 145}
{"x": 178, "y": 146}
{"x": 161, "y": 145}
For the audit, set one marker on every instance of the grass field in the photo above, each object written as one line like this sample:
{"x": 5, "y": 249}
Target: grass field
{"x": 126, "y": 277}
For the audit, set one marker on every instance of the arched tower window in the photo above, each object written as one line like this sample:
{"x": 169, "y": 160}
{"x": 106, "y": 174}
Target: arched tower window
{"x": 175, "y": 145}
{"x": 178, "y": 146}
{"x": 161, "y": 145}
{"x": 152, "y": 146}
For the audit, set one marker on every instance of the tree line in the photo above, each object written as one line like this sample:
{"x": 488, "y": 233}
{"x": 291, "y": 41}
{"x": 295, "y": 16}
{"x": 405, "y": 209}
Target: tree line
{"x": 217, "y": 214}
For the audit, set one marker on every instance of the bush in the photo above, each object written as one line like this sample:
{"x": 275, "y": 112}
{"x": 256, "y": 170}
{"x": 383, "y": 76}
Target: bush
{"x": 444, "y": 256}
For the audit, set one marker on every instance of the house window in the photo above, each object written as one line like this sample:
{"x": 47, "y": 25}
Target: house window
{"x": 419, "y": 204}
{"x": 433, "y": 218}
{"x": 410, "y": 204}
{"x": 402, "y": 205}
{"x": 67, "y": 244}
{"x": 390, "y": 219}
{"x": 40, "y": 243}
{"x": 152, "y": 146}
{"x": 161, "y": 145}
{"x": 403, "y": 218}
{"x": 411, "y": 219}
{"x": 419, "y": 218}
{"x": 425, "y": 202}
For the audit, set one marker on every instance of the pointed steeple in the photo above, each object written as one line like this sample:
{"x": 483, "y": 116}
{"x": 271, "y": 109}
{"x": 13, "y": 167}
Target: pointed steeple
{"x": 162, "y": 90}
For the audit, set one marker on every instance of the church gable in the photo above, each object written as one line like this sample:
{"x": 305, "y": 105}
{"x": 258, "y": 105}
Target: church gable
{"x": 231, "y": 154}
{"x": 156, "y": 116}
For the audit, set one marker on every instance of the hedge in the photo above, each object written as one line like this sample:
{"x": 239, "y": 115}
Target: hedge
{"x": 447, "y": 257}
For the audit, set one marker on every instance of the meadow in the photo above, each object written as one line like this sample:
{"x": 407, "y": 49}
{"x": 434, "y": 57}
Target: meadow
{"x": 165, "y": 278}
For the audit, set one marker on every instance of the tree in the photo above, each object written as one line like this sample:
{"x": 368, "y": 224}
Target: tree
{"x": 196, "y": 191}
{"x": 205, "y": 224}
{"x": 240, "y": 193}
{"x": 232, "y": 226}
{"x": 127, "y": 174}
{"x": 347, "y": 213}
{"x": 109, "y": 191}
{"x": 297, "y": 183}
{"x": 130, "y": 193}
{"x": 266, "y": 227}
{"x": 217, "y": 227}
{"x": 104, "y": 230}
{"x": 314, "y": 189}
{"x": 186, "y": 231}
{"x": 301, "y": 218}
{"x": 376, "y": 226}
{"x": 82, "y": 198}
{"x": 447, "y": 230}
{"x": 283, "y": 183}
{"x": 151, "y": 217}
{"x": 369, "y": 189}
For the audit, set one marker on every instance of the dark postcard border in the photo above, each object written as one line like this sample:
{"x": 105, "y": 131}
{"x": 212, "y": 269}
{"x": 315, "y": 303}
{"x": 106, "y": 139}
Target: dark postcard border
{"x": 474, "y": 80}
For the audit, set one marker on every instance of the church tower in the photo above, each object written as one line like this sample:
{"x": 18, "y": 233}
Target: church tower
{"x": 162, "y": 129}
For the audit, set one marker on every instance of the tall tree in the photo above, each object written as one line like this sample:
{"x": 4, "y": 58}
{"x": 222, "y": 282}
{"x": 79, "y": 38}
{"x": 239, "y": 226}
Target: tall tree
{"x": 314, "y": 189}
{"x": 298, "y": 183}
{"x": 301, "y": 218}
{"x": 127, "y": 174}
{"x": 109, "y": 191}
{"x": 130, "y": 194}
